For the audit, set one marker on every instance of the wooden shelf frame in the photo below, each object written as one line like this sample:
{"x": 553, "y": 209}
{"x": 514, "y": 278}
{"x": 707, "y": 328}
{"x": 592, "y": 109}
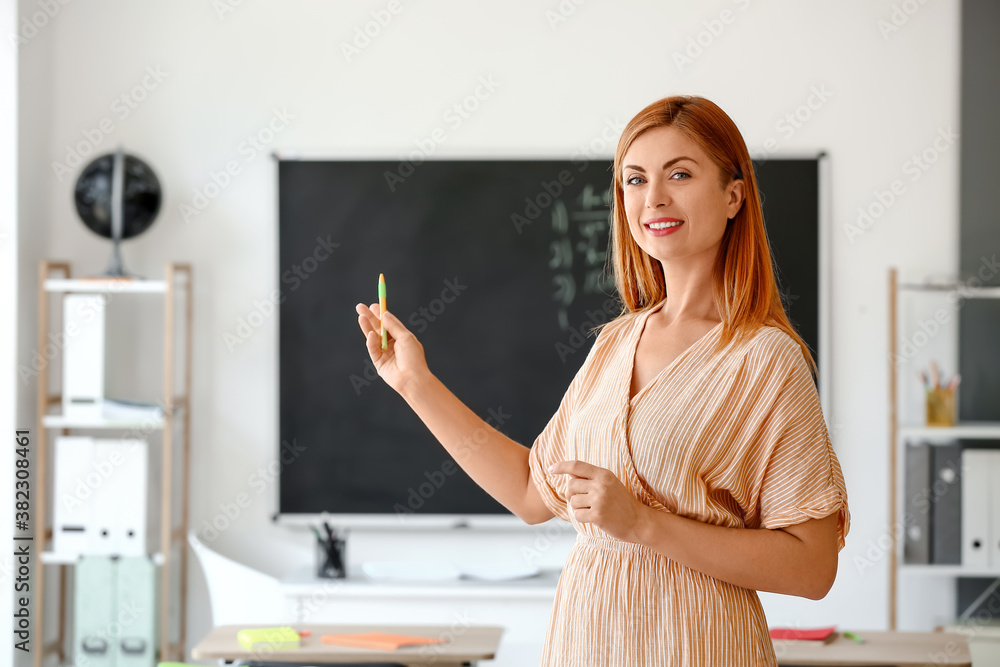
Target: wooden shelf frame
{"x": 177, "y": 283}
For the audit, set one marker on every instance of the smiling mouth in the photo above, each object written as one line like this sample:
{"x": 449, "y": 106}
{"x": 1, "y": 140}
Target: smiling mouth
{"x": 661, "y": 225}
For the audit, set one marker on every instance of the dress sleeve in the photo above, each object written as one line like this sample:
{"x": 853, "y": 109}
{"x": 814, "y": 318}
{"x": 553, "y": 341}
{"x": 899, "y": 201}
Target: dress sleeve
{"x": 550, "y": 446}
{"x": 800, "y": 476}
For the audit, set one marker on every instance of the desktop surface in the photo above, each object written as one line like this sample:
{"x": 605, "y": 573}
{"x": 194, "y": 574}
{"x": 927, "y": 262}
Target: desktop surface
{"x": 465, "y": 644}
{"x": 897, "y": 649}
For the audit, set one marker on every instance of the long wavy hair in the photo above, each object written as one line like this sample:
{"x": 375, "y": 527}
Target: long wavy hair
{"x": 745, "y": 290}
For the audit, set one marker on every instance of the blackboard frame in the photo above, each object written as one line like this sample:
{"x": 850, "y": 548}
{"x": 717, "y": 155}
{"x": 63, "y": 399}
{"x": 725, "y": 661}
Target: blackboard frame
{"x": 506, "y": 520}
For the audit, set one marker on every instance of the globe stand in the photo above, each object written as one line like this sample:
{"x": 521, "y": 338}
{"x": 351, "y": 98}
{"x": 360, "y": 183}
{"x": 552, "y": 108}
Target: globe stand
{"x": 115, "y": 267}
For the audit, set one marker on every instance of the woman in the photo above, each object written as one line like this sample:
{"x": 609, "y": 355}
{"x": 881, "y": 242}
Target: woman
{"x": 690, "y": 450}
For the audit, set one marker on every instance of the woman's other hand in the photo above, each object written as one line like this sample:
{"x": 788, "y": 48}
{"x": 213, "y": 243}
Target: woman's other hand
{"x": 596, "y": 496}
{"x": 403, "y": 360}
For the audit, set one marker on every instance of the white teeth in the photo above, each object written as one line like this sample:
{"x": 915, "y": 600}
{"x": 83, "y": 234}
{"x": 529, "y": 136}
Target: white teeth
{"x": 664, "y": 225}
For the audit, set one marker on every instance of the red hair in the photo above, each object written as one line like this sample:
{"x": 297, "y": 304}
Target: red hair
{"x": 745, "y": 290}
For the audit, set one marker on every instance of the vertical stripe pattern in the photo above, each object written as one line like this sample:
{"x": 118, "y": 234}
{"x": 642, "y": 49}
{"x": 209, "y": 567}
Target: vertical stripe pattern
{"x": 732, "y": 438}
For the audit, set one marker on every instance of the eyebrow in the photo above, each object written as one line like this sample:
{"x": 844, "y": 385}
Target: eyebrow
{"x": 665, "y": 164}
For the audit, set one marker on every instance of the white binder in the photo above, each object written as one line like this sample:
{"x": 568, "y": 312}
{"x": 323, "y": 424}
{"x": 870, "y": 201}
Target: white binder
{"x": 980, "y": 467}
{"x": 994, "y": 510}
{"x": 120, "y": 502}
{"x": 71, "y": 513}
{"x": 83, "y": 355}
{"x": 100, "y": 503}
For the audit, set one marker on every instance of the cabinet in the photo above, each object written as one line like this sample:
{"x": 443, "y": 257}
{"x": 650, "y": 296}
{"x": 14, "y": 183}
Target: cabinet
{"x": 55, "y": 281}
{"x": 906, "y": 354}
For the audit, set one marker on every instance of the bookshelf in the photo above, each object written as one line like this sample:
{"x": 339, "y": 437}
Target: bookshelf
{"x": 55, "y": 280}
{"x": 901, "y": 433}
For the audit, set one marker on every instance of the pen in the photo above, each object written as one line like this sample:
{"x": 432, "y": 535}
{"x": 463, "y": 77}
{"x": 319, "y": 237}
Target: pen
{"x": 381, "y": 305}
{"x": 934, "y": 376}
{"x": 858, "y": 638}
{"x": 331, "y": 547}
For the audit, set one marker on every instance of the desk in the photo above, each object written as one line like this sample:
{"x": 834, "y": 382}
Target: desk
{"x": 465, "y": 645}
{"x": 522, "y": 606}
{"x": 898, "y": 649}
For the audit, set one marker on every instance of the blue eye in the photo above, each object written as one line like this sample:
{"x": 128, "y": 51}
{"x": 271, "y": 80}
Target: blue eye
{"x": 629, "y": 180}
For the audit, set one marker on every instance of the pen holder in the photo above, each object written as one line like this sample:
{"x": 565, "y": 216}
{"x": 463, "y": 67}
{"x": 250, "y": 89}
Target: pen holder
{"x": 940, "y": 407}
{"x": 331, "y": 558}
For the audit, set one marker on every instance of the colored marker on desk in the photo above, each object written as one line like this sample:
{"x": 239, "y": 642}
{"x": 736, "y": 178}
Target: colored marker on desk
{"x": 853, "y": 637}
{"x": 381, "y": 305}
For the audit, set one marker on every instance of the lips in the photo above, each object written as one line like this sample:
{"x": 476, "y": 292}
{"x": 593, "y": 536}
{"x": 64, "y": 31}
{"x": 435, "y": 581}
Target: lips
{"x": 665, "y": 230}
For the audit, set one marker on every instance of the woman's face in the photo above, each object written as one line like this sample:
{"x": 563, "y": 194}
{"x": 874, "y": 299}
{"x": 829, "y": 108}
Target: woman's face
{"x": 667, "y": 177}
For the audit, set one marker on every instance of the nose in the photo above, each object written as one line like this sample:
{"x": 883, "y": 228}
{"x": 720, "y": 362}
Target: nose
{"x": 657, "y": 194}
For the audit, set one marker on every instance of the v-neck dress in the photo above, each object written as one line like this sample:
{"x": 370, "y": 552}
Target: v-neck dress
{"x": 732, "y": 438}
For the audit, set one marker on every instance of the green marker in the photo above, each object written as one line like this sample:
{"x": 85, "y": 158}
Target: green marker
{"x": 858, "y": 638}
{"x": 381, "y": 305}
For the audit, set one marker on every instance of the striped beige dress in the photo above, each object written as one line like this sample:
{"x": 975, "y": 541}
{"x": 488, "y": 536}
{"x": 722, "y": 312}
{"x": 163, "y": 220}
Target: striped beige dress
{"x": 735, "y": 438}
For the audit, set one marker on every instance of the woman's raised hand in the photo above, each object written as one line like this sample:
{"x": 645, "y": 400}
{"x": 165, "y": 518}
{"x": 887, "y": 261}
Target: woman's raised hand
{"x": 403, "y": 361}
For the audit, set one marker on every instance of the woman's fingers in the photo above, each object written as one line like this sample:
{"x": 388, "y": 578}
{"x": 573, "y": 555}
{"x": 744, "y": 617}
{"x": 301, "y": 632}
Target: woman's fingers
{"x": 393, "y": 325}
{"x": 369, "y": 321}
{"x": 368, "y": 318}
{"x": 373, "y": 316}
{"x": 374, "y": 344}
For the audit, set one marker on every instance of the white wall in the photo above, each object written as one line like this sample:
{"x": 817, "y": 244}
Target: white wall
{"x": 8, "y": 314}
{"x": 223, "y": 76}
{"x": 33, "y": 100}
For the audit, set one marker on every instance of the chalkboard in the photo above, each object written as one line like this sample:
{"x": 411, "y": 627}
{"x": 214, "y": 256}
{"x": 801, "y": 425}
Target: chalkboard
{"x": 498, "y": 267}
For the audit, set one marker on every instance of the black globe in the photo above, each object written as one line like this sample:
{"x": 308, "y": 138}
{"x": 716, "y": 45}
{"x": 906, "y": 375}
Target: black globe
{"x": 142, "y": 196}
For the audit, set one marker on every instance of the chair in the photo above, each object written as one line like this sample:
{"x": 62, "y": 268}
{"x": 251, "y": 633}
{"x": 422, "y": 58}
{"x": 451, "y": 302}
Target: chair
{"x": 239, "y": 594}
